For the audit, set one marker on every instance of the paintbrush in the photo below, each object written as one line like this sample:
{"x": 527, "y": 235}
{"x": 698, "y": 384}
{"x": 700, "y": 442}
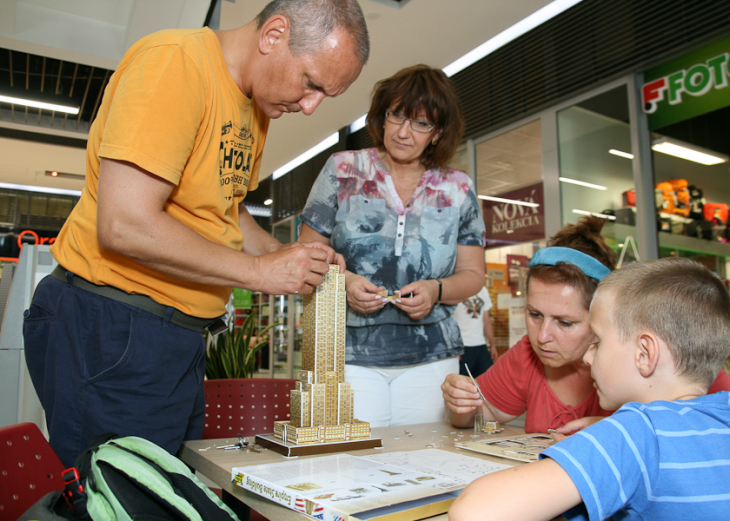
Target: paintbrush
{"x": 475, "y": 383}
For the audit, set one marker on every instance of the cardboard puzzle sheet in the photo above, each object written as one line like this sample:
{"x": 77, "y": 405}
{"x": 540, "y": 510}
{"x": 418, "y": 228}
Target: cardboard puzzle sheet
{"x": 526, "y": 447}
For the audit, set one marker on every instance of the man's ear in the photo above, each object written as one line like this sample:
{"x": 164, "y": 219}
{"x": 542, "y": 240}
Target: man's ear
{"x": 647, "y": 353}
{"x": 274, "y": 30}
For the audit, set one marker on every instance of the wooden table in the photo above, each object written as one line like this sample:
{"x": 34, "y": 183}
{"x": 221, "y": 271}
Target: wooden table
{"x": 216, "y": 464}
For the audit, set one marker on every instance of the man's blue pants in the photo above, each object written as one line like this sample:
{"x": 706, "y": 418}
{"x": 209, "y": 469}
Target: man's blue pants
{"x": 102, "y": 366}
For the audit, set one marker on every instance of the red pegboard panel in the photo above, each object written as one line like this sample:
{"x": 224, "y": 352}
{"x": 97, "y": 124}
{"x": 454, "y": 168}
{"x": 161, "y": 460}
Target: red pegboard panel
{"x": 29, "y": 469}
{"x": 246, "y": 406}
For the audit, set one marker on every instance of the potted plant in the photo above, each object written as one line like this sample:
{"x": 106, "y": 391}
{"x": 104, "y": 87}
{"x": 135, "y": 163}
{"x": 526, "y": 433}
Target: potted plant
{"x": 232, "y": 354}
{"x": 235, "y": 402}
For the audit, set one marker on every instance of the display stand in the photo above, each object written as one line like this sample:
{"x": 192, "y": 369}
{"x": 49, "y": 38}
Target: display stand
{"x": 290, "y": 450}
{"x": 629, "y": 241}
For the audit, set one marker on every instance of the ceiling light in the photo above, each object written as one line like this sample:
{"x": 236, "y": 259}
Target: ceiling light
{"x": 56, "y": 173}
{"x": 357, "y": 124}
{"x": 268, "y": 202}
{"x": 321, "y": 147}
{"x": 39, "y": 104}
{"x": 621, "y": 154}
{"x": 257, "y": 210}
{"x": 42, "y": 189}
{"x": 526, "y": 24}
{"x": 510, "y": 201}
{"x": 540, "y": 16}
{"x": 676, "y": 148}
{"x": 582, "y": 183}
{"x": 393, "y": 3}
{"x": 601, "y": 215}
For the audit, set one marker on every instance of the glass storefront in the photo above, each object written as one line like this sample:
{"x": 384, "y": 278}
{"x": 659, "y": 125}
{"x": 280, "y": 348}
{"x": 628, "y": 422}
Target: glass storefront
{"x": 687, "y": 102}
{"x": 509, "y": 182}
{"x": 595, "y": 157}
{"x": 693, "y": 197}
{"x": 285, "y": 311}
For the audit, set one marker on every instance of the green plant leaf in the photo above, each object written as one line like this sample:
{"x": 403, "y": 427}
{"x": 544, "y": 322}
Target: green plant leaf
{"x": 231, "y": 354}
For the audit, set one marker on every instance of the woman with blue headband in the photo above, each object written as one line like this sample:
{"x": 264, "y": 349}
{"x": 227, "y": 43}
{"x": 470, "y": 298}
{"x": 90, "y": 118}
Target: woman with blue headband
{"x": 543, "y": 375}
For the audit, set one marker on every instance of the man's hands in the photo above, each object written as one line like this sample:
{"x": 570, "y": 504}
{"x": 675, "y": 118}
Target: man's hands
{"x": 295, "y": 268}
{"x": 332, "y": 256}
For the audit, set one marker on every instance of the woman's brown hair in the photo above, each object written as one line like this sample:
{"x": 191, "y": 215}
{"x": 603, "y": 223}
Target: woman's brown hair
{"x": 584, "y": 236}
{"x": 411, "y": 90}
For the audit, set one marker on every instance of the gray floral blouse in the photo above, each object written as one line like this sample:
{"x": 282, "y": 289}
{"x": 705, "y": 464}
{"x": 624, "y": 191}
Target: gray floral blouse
{"x": 392, "y": 243}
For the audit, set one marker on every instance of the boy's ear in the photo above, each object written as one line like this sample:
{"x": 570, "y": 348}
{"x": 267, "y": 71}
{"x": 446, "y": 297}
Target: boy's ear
{"x": 273, "y": 30}
{"x": 647, "y": 353}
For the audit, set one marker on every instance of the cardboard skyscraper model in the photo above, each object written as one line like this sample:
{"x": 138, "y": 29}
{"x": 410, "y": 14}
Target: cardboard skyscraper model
{"x": 322, "y": 402}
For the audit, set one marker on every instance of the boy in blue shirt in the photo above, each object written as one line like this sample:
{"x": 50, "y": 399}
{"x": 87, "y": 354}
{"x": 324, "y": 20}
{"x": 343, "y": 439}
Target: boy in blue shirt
{"x": 662, "y": 330}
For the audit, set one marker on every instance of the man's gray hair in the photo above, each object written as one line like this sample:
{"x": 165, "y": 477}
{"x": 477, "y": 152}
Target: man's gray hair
{"x": 311, "y": 21}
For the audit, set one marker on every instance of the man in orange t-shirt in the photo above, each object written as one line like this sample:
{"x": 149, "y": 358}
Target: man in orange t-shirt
{"x": 148, "y": 257}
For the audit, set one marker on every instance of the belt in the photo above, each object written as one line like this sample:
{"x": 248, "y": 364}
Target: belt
{"x": 141, "y": 301}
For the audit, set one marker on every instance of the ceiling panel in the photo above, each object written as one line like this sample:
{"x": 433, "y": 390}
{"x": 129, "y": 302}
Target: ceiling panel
{"x": 70, "y": 48}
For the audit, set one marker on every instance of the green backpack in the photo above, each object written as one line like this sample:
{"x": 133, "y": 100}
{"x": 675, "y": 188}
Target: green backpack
{"x": 130, "y": 478}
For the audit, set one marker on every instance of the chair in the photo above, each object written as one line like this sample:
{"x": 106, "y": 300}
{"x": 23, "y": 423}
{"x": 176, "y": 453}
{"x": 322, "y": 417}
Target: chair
{"x": 246, "y": 406}
{"x": 29, "y": 469}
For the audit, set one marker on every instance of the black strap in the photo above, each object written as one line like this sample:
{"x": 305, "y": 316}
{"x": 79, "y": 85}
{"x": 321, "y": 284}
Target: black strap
{"x": 140, "y": 301}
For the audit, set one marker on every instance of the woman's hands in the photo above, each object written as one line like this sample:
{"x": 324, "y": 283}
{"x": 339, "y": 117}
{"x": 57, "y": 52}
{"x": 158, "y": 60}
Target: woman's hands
{"x": 362, "y": 295}
{"x": 424, "y": 294}
{"x": 463, "y": 402}
{"x": 460, "y": 395}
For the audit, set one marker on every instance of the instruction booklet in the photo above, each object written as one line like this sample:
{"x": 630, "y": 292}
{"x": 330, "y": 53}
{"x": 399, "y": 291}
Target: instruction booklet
{"x": 396, "y": 486}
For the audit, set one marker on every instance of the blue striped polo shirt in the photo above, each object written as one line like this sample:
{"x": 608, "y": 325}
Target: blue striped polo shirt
{"x": 658, "y": 460}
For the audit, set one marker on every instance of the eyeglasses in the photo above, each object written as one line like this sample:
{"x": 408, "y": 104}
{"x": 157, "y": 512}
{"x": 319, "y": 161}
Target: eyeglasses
{"x": 398, "y": 119}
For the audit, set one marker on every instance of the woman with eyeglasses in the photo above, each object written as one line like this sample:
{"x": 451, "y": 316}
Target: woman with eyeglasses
{"x": 407, "y": 224}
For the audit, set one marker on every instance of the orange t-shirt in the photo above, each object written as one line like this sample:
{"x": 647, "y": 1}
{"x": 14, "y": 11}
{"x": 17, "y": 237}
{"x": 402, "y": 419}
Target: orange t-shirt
{"x": 517, "y": 383}
{"x": 173, "y": 109}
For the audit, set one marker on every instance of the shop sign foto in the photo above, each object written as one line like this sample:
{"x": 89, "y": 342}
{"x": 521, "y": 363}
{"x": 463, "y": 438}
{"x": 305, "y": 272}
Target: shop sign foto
{"x": 696, "y": 83}
{"x": 510, "y": 223}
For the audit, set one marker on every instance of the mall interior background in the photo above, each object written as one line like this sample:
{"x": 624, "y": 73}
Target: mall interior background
{"x": 556, "y": 129}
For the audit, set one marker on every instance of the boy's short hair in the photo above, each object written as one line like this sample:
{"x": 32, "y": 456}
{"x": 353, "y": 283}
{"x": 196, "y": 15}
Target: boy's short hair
{"x": 679, "y": 300}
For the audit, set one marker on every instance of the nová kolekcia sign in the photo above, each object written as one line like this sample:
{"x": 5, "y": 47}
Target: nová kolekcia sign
{"x": 510, "y": 223}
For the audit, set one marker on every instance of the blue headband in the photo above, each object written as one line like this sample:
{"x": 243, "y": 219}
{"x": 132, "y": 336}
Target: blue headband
{"x": 553, "y": 255}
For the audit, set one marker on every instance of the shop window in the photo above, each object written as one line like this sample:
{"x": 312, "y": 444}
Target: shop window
{"x": 460, "y": 161}
{"x": 510, "y": 185}
{"x": 8, "y": 208}
{"x": 693, "y": 197}
{"x": 596, "y": 175}
{"x": 285, "y": 311}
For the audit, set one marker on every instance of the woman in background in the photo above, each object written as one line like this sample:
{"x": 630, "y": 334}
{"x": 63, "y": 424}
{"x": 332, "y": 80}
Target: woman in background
{"x": 405, "y": 222}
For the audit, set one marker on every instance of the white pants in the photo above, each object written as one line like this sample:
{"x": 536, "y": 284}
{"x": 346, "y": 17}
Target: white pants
{"x": 400, "y": 395}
